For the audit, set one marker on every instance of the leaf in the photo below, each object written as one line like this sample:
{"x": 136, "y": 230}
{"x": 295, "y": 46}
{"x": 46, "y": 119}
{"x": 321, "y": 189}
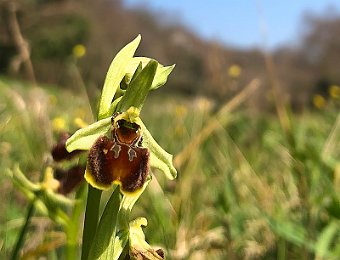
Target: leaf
{"x": 324, "y": 242}
{"x": 102, "y": 247}
{"x": 159, "y": 158}
{"x": 162, "y": 72}
{"x": 120, "y": 242}
{"x": 290, "y": 231}
{"x": 333, "y": 208}
{"x": 84, "y": 138}
{"x": 114, "y": 76}
{"x": 138, "y": 88}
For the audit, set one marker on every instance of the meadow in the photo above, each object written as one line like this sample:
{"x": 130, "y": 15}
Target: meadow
{"x": 251, "y": 185}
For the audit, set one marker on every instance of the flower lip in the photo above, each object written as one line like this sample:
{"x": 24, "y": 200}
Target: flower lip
{"x": 120, "y": 159}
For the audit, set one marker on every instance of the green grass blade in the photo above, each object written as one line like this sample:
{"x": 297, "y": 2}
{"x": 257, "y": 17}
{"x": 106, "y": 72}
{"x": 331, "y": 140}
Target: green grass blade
{"x": 20, "y": 241}
{"x": 324, "y": 242}
{"x": 72, "y": 230}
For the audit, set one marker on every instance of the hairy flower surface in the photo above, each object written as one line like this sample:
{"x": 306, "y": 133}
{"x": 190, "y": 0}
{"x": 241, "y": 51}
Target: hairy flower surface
{"x": 120, "y": 159}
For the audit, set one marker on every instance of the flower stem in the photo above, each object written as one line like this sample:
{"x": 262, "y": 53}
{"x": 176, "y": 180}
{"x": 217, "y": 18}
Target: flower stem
{"x": 91, "y": 219}
{"x": 72, "y": 230}
{"x": 23, "y": 231}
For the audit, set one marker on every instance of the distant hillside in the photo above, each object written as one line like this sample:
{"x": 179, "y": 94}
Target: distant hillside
{"x": 52, "y": 29}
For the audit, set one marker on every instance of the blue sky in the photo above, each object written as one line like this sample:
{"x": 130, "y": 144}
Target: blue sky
{"x": 241, "y": 22}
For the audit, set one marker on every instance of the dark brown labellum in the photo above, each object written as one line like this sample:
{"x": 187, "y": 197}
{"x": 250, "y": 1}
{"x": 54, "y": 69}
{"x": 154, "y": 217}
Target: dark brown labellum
{"x": 119, "y": 159}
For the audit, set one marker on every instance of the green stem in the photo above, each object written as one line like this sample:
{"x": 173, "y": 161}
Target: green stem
{"x": 72, "y": 230}
{"x": 23, "y": 231}
{"x": 282, "y": 245}
{"x": 91, "y": 220}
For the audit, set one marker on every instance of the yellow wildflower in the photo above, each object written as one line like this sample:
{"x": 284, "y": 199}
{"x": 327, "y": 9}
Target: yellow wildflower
{"x": 80, "y": 122}
{"x": 181, "y": 111}
{"x": 53, "y": 99}
{"x": 79, "y": 51}
{"x": 234, "y": 71}
{"x": 58, "y": 124}
{"x": 319, "y": 101}
{"x": 334, "y": 91}
{"x": 49, "y": 182}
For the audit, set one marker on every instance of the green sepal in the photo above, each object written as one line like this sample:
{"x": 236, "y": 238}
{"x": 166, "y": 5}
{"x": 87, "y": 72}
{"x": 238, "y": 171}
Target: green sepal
{"x": 20, "y": 180}
{"x": 159, "y": 158}
{"x": 58, "y": 200}
{"x": 114, "y": 76}
{"x": 84, "y": 138}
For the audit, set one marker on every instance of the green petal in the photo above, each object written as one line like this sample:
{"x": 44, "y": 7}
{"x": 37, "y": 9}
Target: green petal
{"x": 84, "y": 138}
{"x": 114, "y": 76}
{"x": 138, "y": 88}
{"x": 159, "y": 158}
{"x": 162, "y": 72}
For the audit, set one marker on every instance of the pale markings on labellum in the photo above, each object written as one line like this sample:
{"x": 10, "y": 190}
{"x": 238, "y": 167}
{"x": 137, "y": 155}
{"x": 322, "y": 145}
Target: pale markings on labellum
{"x": 132, "y": 154}
{"x": 116, "y": 149}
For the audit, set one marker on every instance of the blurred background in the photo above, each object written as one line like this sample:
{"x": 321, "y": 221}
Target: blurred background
{"x": 251, "y": 114}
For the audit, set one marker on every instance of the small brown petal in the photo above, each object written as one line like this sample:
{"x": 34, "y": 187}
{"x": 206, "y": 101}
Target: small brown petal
{"x": 69, "y": 179}
{"x": 59, "y": 151}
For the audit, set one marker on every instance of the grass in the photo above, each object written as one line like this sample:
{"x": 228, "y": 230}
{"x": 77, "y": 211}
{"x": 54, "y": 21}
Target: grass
{"x": 247, "y": 190}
